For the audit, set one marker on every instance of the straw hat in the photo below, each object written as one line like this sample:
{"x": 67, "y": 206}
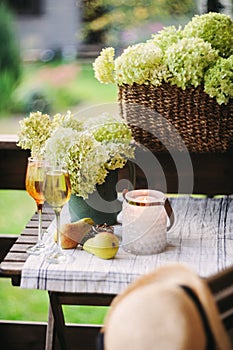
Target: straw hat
{"x": 170, "y": 308}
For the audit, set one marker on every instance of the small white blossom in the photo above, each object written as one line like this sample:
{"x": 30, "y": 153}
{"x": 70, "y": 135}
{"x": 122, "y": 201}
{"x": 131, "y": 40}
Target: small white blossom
{"x": 58, "y": 145}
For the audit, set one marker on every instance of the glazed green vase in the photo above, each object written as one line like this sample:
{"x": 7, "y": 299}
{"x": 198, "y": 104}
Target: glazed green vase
{"x": 102, "y": 205}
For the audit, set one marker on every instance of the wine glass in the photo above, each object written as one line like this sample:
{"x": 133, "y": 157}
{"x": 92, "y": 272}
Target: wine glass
{"x": 57, "y": 191}
{"x": 34, "y": 181}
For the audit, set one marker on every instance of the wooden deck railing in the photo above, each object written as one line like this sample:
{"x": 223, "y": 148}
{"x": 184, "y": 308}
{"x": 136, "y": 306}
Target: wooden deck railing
{"x": 13, "y": 162}
{"x": 212, "y": 172}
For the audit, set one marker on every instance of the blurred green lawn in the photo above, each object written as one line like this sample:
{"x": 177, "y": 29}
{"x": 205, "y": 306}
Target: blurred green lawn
{"x": 16, "y": 208}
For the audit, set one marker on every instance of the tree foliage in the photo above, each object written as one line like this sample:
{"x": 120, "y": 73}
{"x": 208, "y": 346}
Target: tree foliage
{"x": 10, "y": 60}
{"x": 105, "y": 19}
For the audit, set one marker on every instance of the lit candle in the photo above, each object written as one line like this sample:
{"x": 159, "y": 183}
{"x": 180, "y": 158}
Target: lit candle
{"x": 145, "y": 199}
{"x": 144, "y": 222}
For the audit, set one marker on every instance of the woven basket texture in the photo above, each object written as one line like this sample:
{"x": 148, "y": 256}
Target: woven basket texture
{"x": 199, "y": 121}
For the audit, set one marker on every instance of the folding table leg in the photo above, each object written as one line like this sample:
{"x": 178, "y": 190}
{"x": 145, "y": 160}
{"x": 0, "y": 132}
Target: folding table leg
{"x": 59, "y": 321}
{"x": 50, "y": 332}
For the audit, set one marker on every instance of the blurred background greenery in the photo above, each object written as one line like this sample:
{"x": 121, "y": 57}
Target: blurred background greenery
{"x": 39, "y": 71}
{"x": 52, "y": 80}
{"x": 54, "y": 88}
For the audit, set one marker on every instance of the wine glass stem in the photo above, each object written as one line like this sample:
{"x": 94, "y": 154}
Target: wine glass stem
{"x": 39, "y": 210}
{"x": 57, "y": 213}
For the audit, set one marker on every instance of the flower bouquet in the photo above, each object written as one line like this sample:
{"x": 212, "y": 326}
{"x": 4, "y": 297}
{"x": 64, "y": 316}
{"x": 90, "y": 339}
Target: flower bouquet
{"x": 90, "y": 150}
{"x": 180, "y": 79}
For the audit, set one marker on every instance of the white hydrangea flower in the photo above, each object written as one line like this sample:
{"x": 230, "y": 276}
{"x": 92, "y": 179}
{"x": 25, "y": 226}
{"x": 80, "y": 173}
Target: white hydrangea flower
{"x": 58, "y": 145}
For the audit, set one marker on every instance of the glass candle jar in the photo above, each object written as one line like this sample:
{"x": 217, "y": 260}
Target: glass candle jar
{"x": 144, "y": 222}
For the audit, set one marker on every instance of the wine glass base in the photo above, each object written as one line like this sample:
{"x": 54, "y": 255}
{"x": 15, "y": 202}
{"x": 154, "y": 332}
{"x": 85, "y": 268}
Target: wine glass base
{"x": 36, "y": 249}
{"x": 56, "y": 258}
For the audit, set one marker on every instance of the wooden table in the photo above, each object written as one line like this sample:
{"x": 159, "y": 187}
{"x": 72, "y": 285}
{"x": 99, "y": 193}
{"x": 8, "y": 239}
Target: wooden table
{"x": 223, "y": 234}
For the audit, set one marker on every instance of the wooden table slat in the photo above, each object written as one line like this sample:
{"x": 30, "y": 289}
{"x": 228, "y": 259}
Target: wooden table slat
{"x": 33, "y": 229}
{"x": 19, "y": 248}
{"x": 34, "y": 224}
{"x": 27, "y": 239}
{"x": 30, "y": 233}
{"x": 45, "y": 217}
{"x": 16, "y": 256}
{"x": 12, "y": 268}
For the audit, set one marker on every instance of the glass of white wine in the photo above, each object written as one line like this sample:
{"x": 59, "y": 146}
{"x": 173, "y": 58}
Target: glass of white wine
{"x": 34, "y": 182}
{"x": 57, "y": 191}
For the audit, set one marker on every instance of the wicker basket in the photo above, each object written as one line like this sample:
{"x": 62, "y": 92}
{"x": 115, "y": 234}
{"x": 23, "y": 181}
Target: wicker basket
{"x": 153, "y": 112}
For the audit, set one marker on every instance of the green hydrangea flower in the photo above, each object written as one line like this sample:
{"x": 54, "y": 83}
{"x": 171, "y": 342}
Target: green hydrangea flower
{"x": 86, "y": 159}
{"x": 34, "y": 132}
{"x": 166, "y": 37}
{"x": 112, "y": 130}
{"x": 179, "y": 56}
{"x": 141, "y": 64}
{"x": 104, "y": 66}
{"x": 67, "y": 121}
{"x": 188, "y": 59}
{"x": 89, "y": 149}
{"x": 215, "y": 28}
{"x": 218, "y": 80}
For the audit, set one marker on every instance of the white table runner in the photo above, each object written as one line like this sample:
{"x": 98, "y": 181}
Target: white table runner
{"x": 202, "y": 238}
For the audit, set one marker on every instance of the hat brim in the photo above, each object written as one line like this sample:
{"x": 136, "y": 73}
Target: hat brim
{"x": 154, "y": 309}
